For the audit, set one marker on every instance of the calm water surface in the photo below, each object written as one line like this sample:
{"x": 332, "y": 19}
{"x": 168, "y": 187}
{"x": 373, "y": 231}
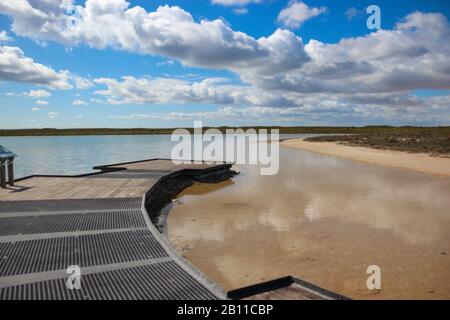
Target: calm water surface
{"x": 78, "y": 154}
{"x": 324, "y": 220}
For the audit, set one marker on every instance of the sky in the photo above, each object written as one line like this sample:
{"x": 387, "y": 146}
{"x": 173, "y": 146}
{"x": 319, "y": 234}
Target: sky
{"x": 124, "y": 64}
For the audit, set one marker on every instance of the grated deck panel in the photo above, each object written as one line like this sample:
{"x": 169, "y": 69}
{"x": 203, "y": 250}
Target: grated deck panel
{"x": 160, "y": 281}
{"x": 90, "y": 250}
{"x": 70, "y": 205}
{"x": 97, "y": 220}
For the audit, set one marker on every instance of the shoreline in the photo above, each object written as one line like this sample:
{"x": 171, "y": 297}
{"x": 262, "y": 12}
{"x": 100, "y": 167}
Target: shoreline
{"x": 421, "y": 162}
{"x": 49, "y": 132}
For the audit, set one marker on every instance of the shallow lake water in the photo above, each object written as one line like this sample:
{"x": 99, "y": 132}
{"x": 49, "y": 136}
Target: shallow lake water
{"x": 68, "y": 155}
{"x": 324, "y": 220}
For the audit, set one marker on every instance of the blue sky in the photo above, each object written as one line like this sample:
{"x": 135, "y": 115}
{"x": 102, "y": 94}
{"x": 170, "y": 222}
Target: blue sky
{"x": 113, "y": 63}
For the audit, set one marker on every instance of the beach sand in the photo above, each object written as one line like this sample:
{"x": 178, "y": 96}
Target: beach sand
{"x": 416, "y": 161}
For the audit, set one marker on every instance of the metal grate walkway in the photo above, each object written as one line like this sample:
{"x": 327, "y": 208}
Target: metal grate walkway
{"x": 120, "y": 253}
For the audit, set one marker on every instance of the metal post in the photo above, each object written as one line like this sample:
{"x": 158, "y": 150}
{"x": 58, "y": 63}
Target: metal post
{"x": 2, "y": 173}
{"x": 11, "y": 171}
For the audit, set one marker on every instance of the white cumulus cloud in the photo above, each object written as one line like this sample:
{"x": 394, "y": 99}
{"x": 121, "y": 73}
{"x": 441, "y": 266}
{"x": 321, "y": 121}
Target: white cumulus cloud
{"x": 42, "y": 102}
{"x": 37, "y": 94}
{"x": 297, "y": 13}
{"x": 52, "y": 115}
{"x": 4, "y": 36}
{"x": 15, "y": 66}
{"x": 79, "y": 103}
{"x": 235, "y": 2}
{"x": 169, "y": 31}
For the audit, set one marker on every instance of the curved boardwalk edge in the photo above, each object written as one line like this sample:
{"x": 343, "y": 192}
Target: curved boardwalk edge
{"x": 112, "y": 239}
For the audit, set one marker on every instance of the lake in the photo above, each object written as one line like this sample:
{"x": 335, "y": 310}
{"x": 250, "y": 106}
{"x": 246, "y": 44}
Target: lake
{"x": 78, "y": 154}
{"x": 69, "y": 155}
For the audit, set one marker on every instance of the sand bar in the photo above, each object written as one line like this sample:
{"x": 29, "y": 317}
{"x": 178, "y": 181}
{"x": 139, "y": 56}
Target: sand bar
{"x": 415, "y": 161}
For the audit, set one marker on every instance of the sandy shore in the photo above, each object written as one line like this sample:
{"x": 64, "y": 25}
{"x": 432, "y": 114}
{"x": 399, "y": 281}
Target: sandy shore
{"x": 415, "y": 161}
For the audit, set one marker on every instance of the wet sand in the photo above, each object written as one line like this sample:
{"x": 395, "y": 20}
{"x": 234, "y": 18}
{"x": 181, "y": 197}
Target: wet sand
{"x": 324, "y": 220}
{"x": 415, "y": 161}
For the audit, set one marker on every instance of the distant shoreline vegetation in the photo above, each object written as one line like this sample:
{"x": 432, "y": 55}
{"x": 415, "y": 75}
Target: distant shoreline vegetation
{"x": 283, "y": 130}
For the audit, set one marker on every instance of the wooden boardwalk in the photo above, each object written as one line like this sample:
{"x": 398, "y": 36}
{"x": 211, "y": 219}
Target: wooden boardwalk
{"x": 135, "y": 182}
{"x": 98, "y": 222}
